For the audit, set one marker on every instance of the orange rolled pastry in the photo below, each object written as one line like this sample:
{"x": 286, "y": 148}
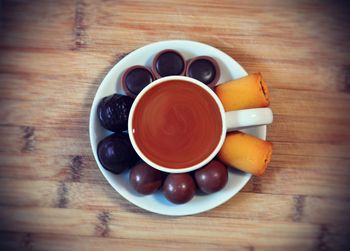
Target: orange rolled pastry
{"x": 244, "y": 93}
{"x": 245, "y": 152}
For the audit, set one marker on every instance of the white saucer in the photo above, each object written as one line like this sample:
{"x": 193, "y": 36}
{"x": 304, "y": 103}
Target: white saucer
{"x": 157, "y": 203}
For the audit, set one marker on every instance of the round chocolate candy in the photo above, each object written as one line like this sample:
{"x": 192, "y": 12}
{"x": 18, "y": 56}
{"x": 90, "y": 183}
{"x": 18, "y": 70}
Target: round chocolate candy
{"x": 113, "y": 112}
{"x": 211, "y": 178}
{"x": 204, "y": 69}
{"x": 116, "y": 153}
{"x": 179, "y": 188}
{"x": 145, "y": 179}
{"x": 136, "y": 78}
{"x": 168, "y": 63}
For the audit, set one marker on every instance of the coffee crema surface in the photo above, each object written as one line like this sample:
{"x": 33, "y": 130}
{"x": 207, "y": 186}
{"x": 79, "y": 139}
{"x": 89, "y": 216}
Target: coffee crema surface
{"x": 177, "y": 124}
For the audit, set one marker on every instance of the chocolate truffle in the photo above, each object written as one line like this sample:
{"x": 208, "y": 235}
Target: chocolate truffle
{"x": 116, "y": 153}
{"x": 113, "y": 112}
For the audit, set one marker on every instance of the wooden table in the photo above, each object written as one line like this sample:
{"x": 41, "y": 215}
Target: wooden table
{"x": 54, "y": 55}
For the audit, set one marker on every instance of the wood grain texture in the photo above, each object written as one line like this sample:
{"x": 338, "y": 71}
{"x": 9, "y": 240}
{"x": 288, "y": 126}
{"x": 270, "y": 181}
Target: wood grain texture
{"x": 54, "y": 55}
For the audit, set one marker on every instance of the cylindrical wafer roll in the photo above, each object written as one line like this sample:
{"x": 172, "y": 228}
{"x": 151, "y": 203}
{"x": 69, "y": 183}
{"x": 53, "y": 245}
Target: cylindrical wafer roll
{"x": 246, "y": 153}
{"x": 244, "y": 93}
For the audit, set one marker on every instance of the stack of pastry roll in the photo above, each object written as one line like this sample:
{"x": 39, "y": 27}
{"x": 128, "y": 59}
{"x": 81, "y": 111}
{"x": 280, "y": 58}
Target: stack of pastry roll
{"x": 242, "y": 151}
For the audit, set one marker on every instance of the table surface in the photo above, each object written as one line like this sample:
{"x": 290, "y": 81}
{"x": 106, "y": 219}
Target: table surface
{"x": 53, "y": 57}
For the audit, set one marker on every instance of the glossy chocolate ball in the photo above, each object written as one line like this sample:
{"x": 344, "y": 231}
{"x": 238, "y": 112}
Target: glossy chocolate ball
{"x": 211, "y": 178}
{"x": 179, "y": 188}
{"x": 135, "y": 79}
{"x": 113, "y": 112}
{"x": 116, "y": 153}
{"x": 145, "y": 179}
{"x": 169, "y": 63}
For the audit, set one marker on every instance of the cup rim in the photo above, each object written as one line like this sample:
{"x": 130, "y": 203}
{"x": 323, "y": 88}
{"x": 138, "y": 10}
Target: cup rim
{"x": 195, "y": 166}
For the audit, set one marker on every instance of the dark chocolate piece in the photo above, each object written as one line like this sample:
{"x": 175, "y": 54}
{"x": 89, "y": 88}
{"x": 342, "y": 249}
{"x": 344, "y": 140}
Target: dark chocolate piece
{"x": 135, "y": 79}
{"x": 145, "y": 179}
{"x": 116, "y": 153}
{"x": 168, "y": 63}
{"x": 113, "y": 112}
{"x": 211, "y": 178}
{"x": 204, "y": 69}
{"x": 179, "y": 188}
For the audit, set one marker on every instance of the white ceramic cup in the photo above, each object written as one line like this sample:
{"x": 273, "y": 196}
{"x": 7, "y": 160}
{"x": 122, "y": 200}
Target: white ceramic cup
{"x": 233, "y": 120}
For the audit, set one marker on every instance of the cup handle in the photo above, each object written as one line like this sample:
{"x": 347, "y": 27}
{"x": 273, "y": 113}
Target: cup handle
{"x": 236, "y": 120}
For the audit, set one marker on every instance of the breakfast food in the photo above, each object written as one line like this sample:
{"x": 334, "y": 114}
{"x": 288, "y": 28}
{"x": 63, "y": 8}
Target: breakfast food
{"x": 204, "y": 69}
{"x": 211, "y": 178}
{"x": 247, "y": 92}
{"x": 145, "y": 179}
{"x": 246, "y": 152}
{"x": 116, "y": 153}
{"x": 167, "y": 63}
{"x": 180, "y": 128}
{"x": 179, "y": 188}
{"x": 135, "y": 78}
{"x": 113, "y": 112}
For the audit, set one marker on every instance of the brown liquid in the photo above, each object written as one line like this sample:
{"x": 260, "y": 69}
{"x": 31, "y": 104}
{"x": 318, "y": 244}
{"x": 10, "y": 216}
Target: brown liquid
{"x": 177, "y": 124}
